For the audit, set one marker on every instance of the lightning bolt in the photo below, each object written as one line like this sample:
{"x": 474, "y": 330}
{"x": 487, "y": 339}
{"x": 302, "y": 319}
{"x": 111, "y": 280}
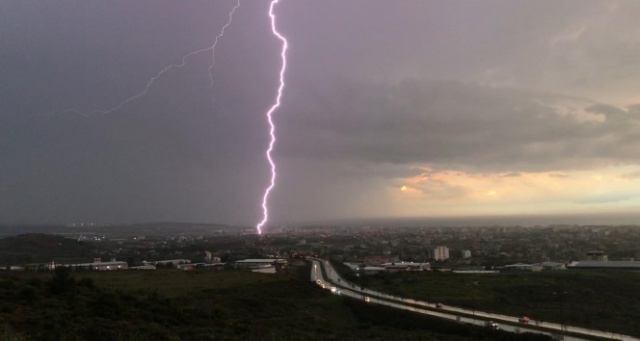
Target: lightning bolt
{"x": 211, "y": 48}
{"x": 215, "y": 42}
{"x": 283, "y": 55}
{"x": 269, "y": 113}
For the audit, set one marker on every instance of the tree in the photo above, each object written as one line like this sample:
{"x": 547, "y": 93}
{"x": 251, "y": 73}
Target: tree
{"x": 62, "y": 281}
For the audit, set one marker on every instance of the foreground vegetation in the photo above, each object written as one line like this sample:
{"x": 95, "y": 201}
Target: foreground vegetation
{"x": 604, "y": 300}
{"x": 222, "y": 305}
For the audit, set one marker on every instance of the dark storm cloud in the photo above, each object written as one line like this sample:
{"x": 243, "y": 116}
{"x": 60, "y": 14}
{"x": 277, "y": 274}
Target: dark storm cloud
{"x": 182, "y": 152}
{"x": 377, "y": 91}
{"x": 451, "y": 124}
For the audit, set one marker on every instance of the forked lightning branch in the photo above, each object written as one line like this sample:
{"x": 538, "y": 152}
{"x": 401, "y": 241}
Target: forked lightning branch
{"x": 269, "y": 113}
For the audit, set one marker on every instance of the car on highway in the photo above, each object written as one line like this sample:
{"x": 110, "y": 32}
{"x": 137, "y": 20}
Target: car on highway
{"x": 523, "y": 319}
{"x": 439, "y": 305}
{"x": 491, "y": 325}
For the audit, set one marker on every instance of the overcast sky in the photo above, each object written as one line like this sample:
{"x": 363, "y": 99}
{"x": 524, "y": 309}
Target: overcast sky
{"x": 418, "y": 108}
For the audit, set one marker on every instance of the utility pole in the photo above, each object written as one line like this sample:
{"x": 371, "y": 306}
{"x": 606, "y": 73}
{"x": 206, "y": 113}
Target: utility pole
{"x": 560, "y": 297}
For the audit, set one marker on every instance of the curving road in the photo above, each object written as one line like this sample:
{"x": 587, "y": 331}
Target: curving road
{"x": 509, "y": 323}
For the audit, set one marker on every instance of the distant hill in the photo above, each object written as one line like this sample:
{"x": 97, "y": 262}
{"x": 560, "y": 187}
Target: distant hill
{"x": 160, "y": 228}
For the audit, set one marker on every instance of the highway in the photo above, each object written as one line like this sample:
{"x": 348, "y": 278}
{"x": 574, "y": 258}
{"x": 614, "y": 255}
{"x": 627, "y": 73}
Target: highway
{"x": 339, "y": 286}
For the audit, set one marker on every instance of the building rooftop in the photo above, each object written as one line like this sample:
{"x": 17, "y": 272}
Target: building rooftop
{"x": 95, "y": 264}
{"x": 263, "y": 260}
{"x": 609, "y": 264}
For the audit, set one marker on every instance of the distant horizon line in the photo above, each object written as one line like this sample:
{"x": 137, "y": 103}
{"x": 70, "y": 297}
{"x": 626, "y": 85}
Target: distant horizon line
{"x": 602, "y": 218}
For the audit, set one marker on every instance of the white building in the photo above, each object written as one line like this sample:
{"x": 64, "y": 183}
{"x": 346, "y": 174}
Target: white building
{"x": 143, "y": 267}
{"x": 439, "y": 253}
{"x": 600, "y": 265}
{"x": 260, "y": 263}
{"x": 101, "y": 266}
{"x": 521, "y": 267}
{"x": 171, "y": 262}
{"x": 353, "y": 266}
{"x": 553, "y": 266}
{"x": 406, "y": 266}
{"x": 372, "y": 270}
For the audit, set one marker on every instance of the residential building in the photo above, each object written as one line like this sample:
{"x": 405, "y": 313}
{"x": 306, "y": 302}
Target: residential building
{"x": 439, "y": 253}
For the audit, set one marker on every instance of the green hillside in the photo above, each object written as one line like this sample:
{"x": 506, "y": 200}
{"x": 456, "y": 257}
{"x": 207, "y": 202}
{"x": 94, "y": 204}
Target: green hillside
{"x": 216, "y": 305}
{"x": 43, "y": 248}
{"x": 603, "y": 300}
